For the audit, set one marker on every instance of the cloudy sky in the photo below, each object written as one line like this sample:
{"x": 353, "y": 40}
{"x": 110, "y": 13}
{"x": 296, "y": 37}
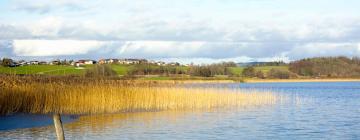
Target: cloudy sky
{"x": 197, "y": 31}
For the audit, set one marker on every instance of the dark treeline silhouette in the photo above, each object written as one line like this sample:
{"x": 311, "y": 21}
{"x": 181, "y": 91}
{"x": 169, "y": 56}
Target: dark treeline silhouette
{"x": 327, "y": 67}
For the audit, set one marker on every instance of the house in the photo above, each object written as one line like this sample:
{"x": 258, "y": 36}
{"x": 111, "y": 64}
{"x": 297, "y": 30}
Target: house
{"x": 134, "y": 61}
{"x": 43, "y": 63}
{"x": 22, "y": 63}
{"x": 34, "y": 62}
{"x": 84, "y": 62}
{"x": 90, "y": 62}
{"x": 174, "y": 64}
{"x": 80, "y": 63}
{"x": 108, "y": 61}
{"x": 160, "y": 63}
{"x": 123, "y": 61}
{"x": 56, "y": 62}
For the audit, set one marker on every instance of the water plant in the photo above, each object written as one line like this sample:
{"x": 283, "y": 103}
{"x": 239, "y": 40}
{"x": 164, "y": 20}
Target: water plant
{"x": 67, "y": 95}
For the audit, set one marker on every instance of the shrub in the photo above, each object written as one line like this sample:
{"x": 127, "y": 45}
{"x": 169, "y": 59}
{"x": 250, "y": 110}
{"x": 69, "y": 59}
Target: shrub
{"x": 260, "y": 74}
{"x": 6, "y": 62}
{"x": 212, "y": 69}
{"x": 279, "y": 74}
{"x": 100, "y": 71}
{"x": 146, "y": 69}
{"x": 249, "y": 72}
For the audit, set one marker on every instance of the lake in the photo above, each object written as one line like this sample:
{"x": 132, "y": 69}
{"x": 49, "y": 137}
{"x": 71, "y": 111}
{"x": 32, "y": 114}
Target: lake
{"x": 327, "y": 110}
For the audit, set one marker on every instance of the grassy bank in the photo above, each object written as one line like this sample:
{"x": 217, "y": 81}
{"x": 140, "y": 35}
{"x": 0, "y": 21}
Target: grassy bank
{"x": 42, "y": 94}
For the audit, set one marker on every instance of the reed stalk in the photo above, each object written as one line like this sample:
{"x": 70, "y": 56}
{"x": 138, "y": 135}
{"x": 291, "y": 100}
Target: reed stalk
{"x": 64, "y": 95}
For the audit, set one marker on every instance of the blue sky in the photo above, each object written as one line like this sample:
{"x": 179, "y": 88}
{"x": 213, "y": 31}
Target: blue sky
{"x": 199, "y": 31}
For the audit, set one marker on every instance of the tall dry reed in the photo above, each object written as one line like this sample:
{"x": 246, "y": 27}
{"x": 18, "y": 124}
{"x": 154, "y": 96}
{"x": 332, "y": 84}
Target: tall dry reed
{"x": 66, "y": 95}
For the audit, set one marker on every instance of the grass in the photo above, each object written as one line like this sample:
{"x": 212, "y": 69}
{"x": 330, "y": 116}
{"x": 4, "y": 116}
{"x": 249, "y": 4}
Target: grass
{"x": 236, "y": 70}
{"x": 66, "y": 95}
{"x": 65, "y": 70}
{"x": 266, "y": 69}
{"x": 120, "y": 69}
{"x": 41, "y": 69}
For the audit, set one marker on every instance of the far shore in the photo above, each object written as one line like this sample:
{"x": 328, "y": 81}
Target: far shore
{"x": 257, "y": 81}
{"x": 299, "y": 80}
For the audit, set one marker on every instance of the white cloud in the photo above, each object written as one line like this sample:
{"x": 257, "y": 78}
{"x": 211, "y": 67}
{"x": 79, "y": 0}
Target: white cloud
{"x": 54, "y": 47}
{"x": 46, "y": 6}
{"x": 48, "y": 27}
{"x": 324, "y": 49}
{"x": 208, "y": 30}
{"x": 199, "y": 52}
{"x": 160, "y": 48}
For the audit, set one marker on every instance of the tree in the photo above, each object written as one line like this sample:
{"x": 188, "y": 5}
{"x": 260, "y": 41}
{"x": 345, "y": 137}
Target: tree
{"x": 327, "y": 67}
{"x": 64, "y": 62}
{"x": 249, "y": 72}
{"x": 279, "y": 74}
{"x": 6, "y": 62}
{"x": 260, "y": 74}
{"x": 100, "y": 71}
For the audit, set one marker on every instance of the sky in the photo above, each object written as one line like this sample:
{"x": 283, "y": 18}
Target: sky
{"x": 198, "y": 31}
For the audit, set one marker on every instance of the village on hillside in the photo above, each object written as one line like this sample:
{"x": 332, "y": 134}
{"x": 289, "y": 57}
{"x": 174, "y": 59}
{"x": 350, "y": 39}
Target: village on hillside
{"x": 82, "y": 62}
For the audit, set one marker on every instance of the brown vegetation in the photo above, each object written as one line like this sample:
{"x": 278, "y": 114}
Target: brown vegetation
{"x": 66, "y": 95}
{"x": 100, "y": 71}
{"x": 333, "y": 67}
{"x": 211, "y": 70}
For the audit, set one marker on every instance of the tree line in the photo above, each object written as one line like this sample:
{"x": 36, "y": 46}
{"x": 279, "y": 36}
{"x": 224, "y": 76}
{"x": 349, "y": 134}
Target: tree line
{"x": 193, "y": 70}
{"x": 327, "y": 67}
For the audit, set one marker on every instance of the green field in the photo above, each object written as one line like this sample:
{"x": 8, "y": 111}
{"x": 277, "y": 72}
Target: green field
{"x": 120, "y": 70}
{"x": 42, "y": 69}
{"x": 265, "y": 69}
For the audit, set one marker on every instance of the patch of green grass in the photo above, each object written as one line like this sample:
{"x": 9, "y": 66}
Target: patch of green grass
{"x": 183, "y": 68}
{"x": 65, "y": 72}
{"x": 42, "y": 69}
{"x": 236, "y": 70}
{"x": 120, "y": 69}
{"x": 266, "y": 69}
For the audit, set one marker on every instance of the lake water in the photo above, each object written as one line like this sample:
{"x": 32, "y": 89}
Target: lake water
{"x": 311, "y": 111}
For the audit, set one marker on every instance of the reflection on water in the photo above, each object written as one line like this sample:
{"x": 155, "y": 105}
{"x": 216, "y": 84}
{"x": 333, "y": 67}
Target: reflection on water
{"x": 311, "y": 111}
{"x": 141, "y": 125}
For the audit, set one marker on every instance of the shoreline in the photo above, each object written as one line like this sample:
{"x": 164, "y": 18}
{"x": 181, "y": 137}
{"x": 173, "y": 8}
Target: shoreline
{"x": 253, "y": 81}
{"x": 298, "y": 80}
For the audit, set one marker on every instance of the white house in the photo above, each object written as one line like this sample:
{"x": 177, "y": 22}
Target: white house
{"x": 90, "y": 62}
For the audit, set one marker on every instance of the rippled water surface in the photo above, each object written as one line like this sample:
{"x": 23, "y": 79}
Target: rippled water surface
{"x": 311, "y": 111}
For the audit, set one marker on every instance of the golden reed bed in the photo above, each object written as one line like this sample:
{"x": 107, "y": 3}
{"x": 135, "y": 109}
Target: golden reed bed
{"x": 69, "y": 95}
